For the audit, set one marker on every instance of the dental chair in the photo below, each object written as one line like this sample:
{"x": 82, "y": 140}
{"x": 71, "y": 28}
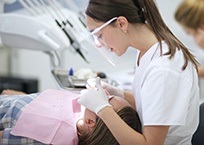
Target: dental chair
{"x": 198, "y": 137}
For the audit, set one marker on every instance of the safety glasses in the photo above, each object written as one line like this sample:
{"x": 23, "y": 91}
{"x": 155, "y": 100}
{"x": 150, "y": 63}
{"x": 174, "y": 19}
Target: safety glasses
{"x": 93, "y": 33}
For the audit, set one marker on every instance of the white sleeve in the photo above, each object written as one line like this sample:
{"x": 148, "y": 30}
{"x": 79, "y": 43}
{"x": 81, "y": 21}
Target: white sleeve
{"x": 165, "y": 97}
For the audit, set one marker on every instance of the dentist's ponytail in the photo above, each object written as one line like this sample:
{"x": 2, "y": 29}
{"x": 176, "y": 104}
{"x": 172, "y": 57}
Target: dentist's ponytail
{"x": 154, "y": 20}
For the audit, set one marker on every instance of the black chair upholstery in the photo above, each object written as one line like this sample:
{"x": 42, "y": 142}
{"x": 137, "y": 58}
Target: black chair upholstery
{"x": 198, "y": 137}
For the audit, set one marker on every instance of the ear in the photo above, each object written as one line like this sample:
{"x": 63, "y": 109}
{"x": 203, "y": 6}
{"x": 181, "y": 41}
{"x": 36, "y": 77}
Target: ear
{"x": 90, "y": 123}
{"x": 123, "y": 23}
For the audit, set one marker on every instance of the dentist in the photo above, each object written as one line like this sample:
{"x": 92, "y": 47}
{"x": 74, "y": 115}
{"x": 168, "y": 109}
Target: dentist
{"x": 165, "y": 89}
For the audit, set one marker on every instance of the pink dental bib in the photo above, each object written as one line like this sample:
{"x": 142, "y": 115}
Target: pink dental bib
{"x": 50, "y": 118}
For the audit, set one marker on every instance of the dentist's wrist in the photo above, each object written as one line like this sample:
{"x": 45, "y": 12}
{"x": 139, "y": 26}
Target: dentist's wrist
{"x": 103, "y": 110}
{"x": 98, "y": 109}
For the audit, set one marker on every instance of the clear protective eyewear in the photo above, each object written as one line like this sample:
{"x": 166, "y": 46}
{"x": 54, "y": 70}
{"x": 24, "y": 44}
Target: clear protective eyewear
{"x": 95, "y": 37}
{"x": 111, "y": 57}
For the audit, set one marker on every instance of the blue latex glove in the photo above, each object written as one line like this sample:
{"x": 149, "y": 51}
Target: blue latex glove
{"x": 94, "y": 99}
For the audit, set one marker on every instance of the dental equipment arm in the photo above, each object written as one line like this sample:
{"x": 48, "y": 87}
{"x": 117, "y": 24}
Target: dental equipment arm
{"x": 49, "y": 28}
{"x": 66, "y": 26}
{"x": 42, "y": 32}
{"x": 19, "y": 31}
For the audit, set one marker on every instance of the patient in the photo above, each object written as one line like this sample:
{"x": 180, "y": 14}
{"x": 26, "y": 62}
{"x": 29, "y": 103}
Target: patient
{"x": 90, "y": 129}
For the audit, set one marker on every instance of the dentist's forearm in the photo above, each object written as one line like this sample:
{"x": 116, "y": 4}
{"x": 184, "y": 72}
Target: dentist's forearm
{"x": 124, "y": 134}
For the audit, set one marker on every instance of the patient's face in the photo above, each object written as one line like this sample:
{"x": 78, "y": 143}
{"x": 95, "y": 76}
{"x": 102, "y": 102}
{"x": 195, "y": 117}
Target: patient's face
{"x": 88, "y": 123}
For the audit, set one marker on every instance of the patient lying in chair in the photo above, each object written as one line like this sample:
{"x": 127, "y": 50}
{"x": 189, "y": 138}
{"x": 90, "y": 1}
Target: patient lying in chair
{"x": 55, "y": 117}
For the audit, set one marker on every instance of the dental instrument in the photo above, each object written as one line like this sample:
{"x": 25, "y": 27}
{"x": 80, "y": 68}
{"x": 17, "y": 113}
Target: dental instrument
{"x": 54, "y": 10}
{"x": 64, "y": 27}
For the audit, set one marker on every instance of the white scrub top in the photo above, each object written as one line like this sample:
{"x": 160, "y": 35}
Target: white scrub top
{"x": 167, "y": 95}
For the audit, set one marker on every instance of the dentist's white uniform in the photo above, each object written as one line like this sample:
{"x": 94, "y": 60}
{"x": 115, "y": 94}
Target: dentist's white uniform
{"x": 166, "y": 95}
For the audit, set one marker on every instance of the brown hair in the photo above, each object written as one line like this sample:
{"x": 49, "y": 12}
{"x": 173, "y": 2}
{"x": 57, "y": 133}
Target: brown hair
{"x": 190, "y": 13}
{"x": 101, "y": 135}
{"x": 140, "y": 11}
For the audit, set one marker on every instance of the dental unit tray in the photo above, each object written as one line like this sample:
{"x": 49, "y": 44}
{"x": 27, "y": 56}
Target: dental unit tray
{"x": 69, "y": 83}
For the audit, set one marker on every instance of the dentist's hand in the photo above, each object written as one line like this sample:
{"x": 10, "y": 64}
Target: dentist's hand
{"x": 94, "y": 99}
{"x": 112, "y": 90}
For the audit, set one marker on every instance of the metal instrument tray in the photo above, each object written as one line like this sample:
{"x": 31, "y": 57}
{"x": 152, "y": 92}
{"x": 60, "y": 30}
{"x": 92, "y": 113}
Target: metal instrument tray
{"x": 70, "y": 83}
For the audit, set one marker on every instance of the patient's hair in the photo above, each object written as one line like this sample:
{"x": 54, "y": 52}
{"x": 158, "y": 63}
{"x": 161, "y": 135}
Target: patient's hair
{"x": 190, "y": 13}
{"x": 101, "y": 135}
